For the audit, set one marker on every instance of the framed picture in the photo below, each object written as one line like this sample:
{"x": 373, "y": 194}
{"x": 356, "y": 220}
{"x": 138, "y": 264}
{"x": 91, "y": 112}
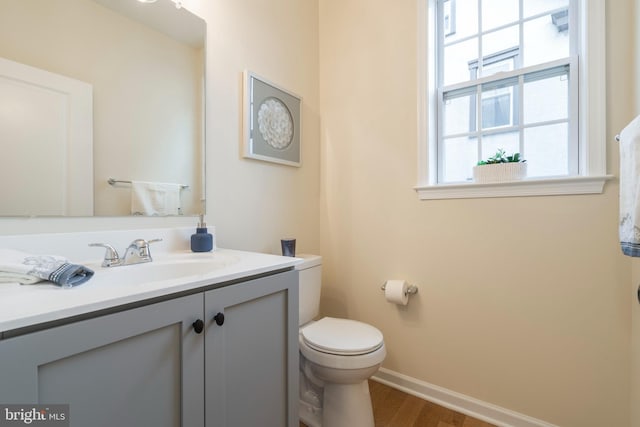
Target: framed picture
{"x": 272, "y": 122}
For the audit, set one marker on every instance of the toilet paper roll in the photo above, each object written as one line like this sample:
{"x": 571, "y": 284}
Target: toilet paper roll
{"x": 395, "y": 291}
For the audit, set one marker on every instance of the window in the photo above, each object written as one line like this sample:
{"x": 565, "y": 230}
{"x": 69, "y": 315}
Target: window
{"x": 515, "y": 75}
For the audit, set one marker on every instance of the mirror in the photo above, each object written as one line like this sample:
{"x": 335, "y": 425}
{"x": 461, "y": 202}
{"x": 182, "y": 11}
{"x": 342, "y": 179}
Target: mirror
{"x": 93, "y": 90}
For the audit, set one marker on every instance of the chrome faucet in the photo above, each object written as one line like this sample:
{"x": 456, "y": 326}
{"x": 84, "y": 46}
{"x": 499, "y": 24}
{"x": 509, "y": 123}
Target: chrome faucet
{"x": 136, "y": 253}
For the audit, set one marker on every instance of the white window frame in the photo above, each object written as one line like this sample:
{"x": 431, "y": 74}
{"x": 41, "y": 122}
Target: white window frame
{"x": 592, "y": 145}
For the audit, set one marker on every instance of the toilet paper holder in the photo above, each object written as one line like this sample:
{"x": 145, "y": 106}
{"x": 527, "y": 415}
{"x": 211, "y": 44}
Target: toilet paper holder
{"x": 411, "y": 289}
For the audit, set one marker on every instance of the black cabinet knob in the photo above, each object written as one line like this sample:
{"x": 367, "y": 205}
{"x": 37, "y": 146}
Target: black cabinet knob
{"x": 198, "y": 326}
{"x": 219, "y": 318}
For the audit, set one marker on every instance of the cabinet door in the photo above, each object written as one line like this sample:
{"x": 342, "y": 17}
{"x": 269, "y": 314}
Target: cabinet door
{"x": 251, "y": 365}
{"x": 140, "y": 367}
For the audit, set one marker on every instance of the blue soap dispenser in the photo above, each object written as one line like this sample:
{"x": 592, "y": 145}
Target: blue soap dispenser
{"x": 202, "y": 241}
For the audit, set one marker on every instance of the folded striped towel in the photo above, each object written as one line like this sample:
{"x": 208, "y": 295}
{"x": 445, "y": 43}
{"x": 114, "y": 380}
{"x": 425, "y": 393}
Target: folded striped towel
{"x": 27, "y": 269}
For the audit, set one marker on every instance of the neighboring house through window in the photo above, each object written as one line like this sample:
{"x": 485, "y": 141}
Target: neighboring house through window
{"x": 500, "y": 106}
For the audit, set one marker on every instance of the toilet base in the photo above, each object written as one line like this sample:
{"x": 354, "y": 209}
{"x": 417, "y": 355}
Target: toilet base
{"x": 347, "y": 405}
{"x": 310, "y": 415}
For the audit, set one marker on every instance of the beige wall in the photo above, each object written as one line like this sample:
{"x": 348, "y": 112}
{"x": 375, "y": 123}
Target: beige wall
{"x": 523, "y": 302}
{"x": 254, "y": 204}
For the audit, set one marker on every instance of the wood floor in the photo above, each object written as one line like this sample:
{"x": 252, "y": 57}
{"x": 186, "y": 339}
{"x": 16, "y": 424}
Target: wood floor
{"x": 393, "y": 408}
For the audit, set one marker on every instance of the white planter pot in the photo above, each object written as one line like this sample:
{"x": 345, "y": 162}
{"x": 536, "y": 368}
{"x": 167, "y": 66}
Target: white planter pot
{"x": 499, "y": 172}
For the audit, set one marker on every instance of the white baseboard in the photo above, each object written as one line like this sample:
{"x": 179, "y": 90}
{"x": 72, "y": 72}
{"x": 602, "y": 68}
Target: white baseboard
{"x": 475, "y": 408}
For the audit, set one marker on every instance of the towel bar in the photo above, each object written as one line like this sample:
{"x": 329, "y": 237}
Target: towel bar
{"x": 112, "y": 181}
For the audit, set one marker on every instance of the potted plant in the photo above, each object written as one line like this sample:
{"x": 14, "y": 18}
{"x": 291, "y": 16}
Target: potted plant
{"x": 500, "y": 168}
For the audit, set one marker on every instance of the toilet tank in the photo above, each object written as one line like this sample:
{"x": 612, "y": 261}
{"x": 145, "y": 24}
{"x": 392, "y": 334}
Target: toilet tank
{"x": 310, "y": 282}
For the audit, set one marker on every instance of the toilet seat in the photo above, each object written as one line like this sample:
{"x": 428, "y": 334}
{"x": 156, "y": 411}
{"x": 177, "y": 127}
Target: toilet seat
{"x": 336, "y": 361}
{"x": 342, "y": 337}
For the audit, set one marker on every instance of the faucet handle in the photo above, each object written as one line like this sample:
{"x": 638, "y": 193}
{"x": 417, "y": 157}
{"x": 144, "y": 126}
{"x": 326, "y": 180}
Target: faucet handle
{"x": 143, "y": 247}
{"x": 141, "y": 243}
{"x": 111, "y": 256}
{"x": 150, "y": 242}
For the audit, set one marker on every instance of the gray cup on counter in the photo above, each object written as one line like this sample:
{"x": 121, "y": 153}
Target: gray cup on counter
{"x": 288, "y": 247}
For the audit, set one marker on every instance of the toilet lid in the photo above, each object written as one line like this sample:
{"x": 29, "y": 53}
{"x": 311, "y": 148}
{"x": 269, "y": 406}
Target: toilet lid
{"x": 342, "y": 336}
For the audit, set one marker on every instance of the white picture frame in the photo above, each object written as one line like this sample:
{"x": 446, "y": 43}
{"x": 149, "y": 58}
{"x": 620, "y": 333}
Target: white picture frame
{"x": 272, "y": 122}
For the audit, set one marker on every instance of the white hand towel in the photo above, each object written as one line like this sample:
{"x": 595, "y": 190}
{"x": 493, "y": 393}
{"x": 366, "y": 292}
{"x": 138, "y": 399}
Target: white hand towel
{"x": 630, "y": 188}
{"x": 155, "y": 198}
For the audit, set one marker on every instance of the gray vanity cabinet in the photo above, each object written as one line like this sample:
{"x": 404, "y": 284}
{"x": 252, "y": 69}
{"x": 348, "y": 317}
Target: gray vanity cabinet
{"x": 154, "y": 365}
{"x": 251, "y": 354}
{"x": 139, "y": 367}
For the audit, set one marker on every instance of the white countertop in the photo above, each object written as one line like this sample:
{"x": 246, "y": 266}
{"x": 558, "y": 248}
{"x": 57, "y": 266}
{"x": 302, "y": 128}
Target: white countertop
{"x": 27, "y": 305}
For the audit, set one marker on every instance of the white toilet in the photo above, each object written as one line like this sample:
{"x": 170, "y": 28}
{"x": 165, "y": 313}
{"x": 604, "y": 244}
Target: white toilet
{"x": 337, "y": 357}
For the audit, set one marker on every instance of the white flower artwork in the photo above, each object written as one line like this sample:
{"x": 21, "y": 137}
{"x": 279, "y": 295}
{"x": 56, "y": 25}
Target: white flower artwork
{"x": 275, "y": 123}
{"x": 272, "y": 122}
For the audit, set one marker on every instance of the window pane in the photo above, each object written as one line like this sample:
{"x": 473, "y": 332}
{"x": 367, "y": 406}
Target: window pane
{"x": 546, "y": 99}
{"x": 458, "y": 111}
{"x": 460, "y": 19}
{"x": 491, "y": 68}
{"x": 499, "y": 103}
{"x": 460, "y": 156}
{"x": 546, "y": 150}
{"x": 499, "y": 41}
{"x": 457, "y": 58}
{"x": 535, "y": 7}
{"x": 543, "y": 41}
{"x": 499, "y": 12}
{"x": 508, "y": 141}
{"x": 496, "y": 111}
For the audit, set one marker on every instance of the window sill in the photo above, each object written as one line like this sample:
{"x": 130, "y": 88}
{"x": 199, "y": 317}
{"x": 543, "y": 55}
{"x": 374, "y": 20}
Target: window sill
{"x": 524, "y": 188}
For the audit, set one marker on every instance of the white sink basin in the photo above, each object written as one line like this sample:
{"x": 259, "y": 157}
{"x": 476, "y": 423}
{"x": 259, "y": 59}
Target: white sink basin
{"x": 162, "y": 268}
